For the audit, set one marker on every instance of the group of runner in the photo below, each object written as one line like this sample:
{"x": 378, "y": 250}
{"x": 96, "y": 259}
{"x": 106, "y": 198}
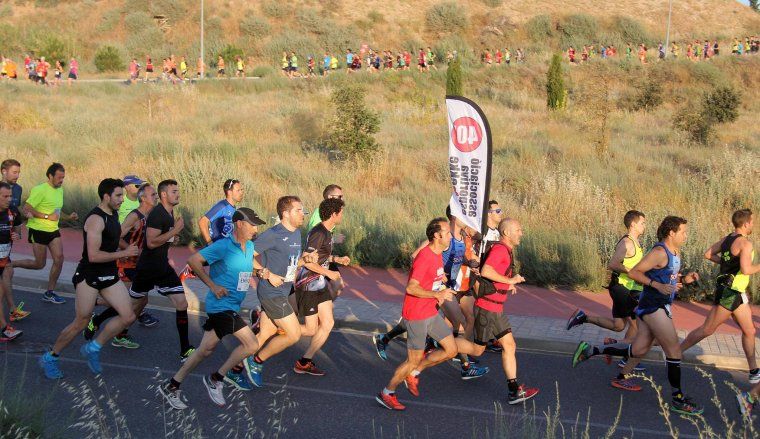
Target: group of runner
{"x": 501, "y": 56}
{"x": 694, "y": 51}
{"x": 453, "y": 308}
{"x": 366, "y": 58}
{"x": 37, "y": 70}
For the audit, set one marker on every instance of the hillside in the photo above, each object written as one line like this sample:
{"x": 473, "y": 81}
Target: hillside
{"x": 263, "y": 28}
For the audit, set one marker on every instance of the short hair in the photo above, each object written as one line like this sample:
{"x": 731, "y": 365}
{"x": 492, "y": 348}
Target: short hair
{"x": 434, "y": 226}
{"x": 741, "y": 217}
{"x": 285, "y": 203}
{"x": 329, "y": 189}
{"x": 492, "y": 202}
{"x": 632, "y": 216}
{"x": 164, "y": 185}
{"x": 330, "y": 206}
{"x": 9, "y": 163}
{"x": 669, "y": 224}
{"x": 4, "y": 185}
{"x": 141, "y": 190}
{"x": 107, "y": 186}
{"x": 229, "y": 184}
{"x": 52, "y": 169}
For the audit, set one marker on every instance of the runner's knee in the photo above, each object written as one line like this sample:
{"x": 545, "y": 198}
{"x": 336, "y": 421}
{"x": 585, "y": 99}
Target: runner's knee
{"x": 618, "y": 326}
{"x": 750, "y": 331}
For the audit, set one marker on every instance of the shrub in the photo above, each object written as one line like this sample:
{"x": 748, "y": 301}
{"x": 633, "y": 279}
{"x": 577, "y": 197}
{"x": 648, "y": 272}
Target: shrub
{"x": 354, "y": 125}
{"x": 539, "y": 28}
{"x": 446, "y": 17}
{"x": 174, "y": 10}
{"x": 721, "y": 105}
{"x": 375, "y": 17}
{"x": 275, "y": 9}
{"x": 694, "y": 123}
{"x": 453, "y": 43}
{"x": 556, "y": 96}
{"x": 649, "y": 96}
{"x": 454, "y": 78}
{"x": 138, "y": 21}
{"x": 578, "y": 29}
{"x": 262, "y": 71}
{"x": 286, "y": 42}
{"x": 108, "y": 59}
{"x": 229, "y": 53}
{"x": 52, "y": 48}
{"x": 109, "y": 20}
{"x": 493, "y": 3}
{"x": 6, "y": 11}
{"x": 630, "y": 30}
{"x": 253, "y": 26}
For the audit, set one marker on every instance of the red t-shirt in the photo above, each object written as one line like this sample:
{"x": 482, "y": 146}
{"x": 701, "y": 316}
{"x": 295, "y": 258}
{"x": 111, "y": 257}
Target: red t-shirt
{"x": 500, "y": 259}
{"x": 427, "y": 269}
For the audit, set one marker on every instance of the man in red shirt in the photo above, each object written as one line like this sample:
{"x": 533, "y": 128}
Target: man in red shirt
{"x": 490, "y": 320}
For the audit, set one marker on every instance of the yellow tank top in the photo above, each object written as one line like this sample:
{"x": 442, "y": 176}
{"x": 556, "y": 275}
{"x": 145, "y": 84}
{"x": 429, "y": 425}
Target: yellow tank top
{"x": 629, "y": 263}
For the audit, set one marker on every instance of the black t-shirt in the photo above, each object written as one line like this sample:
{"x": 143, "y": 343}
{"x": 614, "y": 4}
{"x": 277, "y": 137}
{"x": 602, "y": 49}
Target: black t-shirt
{"x": 163, "y": 221}
{"x": 9, "y": 219}
{"x": 320, "y": 239}
{"x": 109, "y": 239}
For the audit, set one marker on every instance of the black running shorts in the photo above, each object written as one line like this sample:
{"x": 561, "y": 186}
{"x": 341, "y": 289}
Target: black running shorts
{"x": 308, "y": 301}
{"x": 624, "y": 301}
{"x": 729, "y": 298}
{"x": 224, "y": 323}
{"x": 165, "y": 281}
{"x": 99, "y": 279}
{"x": 43, "y": 238}
{"x": 490, "y": 325}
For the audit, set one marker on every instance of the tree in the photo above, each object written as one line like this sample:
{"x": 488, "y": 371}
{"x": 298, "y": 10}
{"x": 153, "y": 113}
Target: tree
{"x": 454, "y": 78}
{"x": 755, "y": 5}
{"x": 556, "y": 96}
{"x": 354, "y": 125}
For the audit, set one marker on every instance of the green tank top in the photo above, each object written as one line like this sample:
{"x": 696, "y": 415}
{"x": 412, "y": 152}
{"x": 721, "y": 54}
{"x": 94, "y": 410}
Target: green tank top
{"x": 629, "y": 263}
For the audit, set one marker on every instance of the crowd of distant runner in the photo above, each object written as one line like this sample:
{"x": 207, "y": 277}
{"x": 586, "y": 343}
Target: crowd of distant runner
{"x": 453, "y": 309}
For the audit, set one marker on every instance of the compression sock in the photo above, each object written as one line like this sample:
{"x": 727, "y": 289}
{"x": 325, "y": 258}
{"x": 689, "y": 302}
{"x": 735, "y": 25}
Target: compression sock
{"x": 513, "y": 386}
{"x": 754, "y": 371}
{"x": 174, "y": 384}
{"x": 304, "y": 361}
{"x": 104, "y": 315}
{"x": 182, "y": 330}
{"x": 674, "y": 375}
{"x": 617, "y": 350}
{"x": 394, "y": 332}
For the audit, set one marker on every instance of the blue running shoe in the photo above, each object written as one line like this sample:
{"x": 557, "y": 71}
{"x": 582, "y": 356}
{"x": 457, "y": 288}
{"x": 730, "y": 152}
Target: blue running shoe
{"x": 147, "y": 320}
{"x": 380, "y": 346}
{"x": 474, "y": 372}
{"x": 49, "y": 365}
{"x": 51, "y": 297}
{"x": 637, "y": 368}
{"x": 577, "y": 318}
{"x": 92, "y": 356}
{"x": 253, "y": 369}
{"x": 238, "y": 380}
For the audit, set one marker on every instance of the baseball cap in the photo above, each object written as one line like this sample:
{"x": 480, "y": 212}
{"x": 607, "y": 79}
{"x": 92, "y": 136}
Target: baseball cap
{"x": 247, "y": 215}
{"x": 133, "y": 179}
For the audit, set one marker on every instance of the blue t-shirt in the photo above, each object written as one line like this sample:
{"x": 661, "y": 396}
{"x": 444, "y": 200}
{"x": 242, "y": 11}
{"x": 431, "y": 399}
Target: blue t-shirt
{"x": 349, "y": 58}
{"x": 327, "y": 62}
{"x": 230, "y": 268}
{"x": 220, "y": 220}
{"x": 16, "y": 195}
{"x": 280, "y": 250}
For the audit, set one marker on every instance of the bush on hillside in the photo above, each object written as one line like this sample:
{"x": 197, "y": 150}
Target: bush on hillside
{"x": 109, "y": 20}
{"x": 694, "y": 124}
{"x": 556, "y": 95}
{"x": 275, "y": 9}
{"x": 138, "y": 21}
{"x": 578, "y": 29}
{"x": 630, "y": 30}
{"x": 721, "y": 105}
{"x": 254, "y": 26}
{"x": 229, "y": 53}
{"x": 354, "y": 125}
{"x": 174, "y": 10}
{"x": 51, "y": 47}
{"x": 454, "y": 78}
{"x": 453, "y": 43}
{"x": 539, "y": 28}
{"x": 108, "y": 59}
{"x": 298, "y": 42}
{"x": 493, "y": 3}
{"x": 446, "y": 17}
{"x": 649, "y": 96}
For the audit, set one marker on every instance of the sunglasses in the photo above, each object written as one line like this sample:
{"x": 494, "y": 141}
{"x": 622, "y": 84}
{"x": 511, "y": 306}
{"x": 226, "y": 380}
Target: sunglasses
{"x": 339, "y": 197}
{"x": 494, "y": 210}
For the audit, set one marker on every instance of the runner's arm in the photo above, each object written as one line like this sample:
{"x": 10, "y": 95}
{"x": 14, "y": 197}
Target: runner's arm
{"x": 154, "y": 238}
{"x": 413, "y": 288}
{"x": 419, "y": 249}
{"x": 94, "y": 227}
{"x": 713, "y": 253}
{"x": 657, "y": 258}
{"x": 196, "y": 264}
{"x": 621, "y": 251}
{"x": 491, "y": 274}
{"x": 745, "y": 259}
{"x": 32, "y": 212}
{"x": 203, "y": 227}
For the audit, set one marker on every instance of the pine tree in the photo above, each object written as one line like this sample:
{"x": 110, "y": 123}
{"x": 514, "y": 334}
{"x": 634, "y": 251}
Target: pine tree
{"x": 556, "y": 96}
{"x": 454, "y": 78}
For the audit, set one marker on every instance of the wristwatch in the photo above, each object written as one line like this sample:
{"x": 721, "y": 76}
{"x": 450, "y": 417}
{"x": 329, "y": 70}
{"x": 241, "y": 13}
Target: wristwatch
{"x": 46, "y": 216}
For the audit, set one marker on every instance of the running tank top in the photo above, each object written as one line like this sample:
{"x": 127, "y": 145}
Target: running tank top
{"x": 629, "y": 263}
{"x": 650, "y": 297}
{"x": 730, "y": 271}
{"x": 135, "y": 236}
{"x": 110, "y": 237}
{"x": 452, "y": 262}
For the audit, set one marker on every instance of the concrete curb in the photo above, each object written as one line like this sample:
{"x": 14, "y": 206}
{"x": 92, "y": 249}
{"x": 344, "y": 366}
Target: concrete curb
{"x": 66, "y": 289}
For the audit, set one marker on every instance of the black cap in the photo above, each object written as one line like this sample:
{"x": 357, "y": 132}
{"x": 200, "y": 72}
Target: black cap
{"x": 247, "y": 215}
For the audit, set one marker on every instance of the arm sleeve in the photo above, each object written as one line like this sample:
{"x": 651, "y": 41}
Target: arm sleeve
{"x": 214, "y": 252}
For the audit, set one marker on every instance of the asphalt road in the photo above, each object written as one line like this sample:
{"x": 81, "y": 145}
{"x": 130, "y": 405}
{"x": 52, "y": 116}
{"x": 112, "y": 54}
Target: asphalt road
{"x": 340, "y": 404}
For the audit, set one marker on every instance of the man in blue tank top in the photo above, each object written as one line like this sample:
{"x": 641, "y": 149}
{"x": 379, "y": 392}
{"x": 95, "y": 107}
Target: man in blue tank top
{"x": 659, "y": 273}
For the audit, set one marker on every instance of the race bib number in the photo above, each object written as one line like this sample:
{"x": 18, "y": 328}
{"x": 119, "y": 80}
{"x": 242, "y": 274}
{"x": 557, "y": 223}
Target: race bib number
{"x": 5, "y": 250}
{"x": 244, "y": 278}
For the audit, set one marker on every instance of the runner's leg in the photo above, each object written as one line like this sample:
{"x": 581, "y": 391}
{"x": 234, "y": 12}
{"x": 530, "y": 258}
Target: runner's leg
{"x": 743, "y": 317}
{"x": 412, "y": 362}
{"x": 247, "y": 347}
{"x": 326, "y": 323}
{"x": 208, "y": 343}
{"x": 280, "y": 342}
{"x": 118, "y": 296}
{"x": 180, "y": 304}
{"x": 39, "y": 252}
{"x": 56, "y": 252}
{"x": 83, "y": 305}
{"x": 446, "y": 351}
{"x": 714, "y": 319}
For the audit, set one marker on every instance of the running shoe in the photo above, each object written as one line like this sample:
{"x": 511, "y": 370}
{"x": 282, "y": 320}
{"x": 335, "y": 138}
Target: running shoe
{"x": 685, "y": 406}
{"x": 523, "y": 394}
{"x": 172, "y": 396}
{"x": 256, "y": 320}
{"x": 582, "y": 353}
{"x": 147, "y": 320}
{"x": 746, "y": 403}
{"x": 51, "y": 297}
{"x": 412, "y": 383}
{"x": 238, "y": 380}
{"x": 576, "y": 319}
{"x": 253, "y": 369}
{"x": 49, "y": 365}
{"x": 494, "y": 346}
{"x": 474, "y": 372}
{"x": 185, "y": 355}
{"x": 18, "y": 313}
{"x": 92, "y": 356}
{"x": 309, "y": 368}
{"x": 124, "y": 342}
{"x": 91, "y": 329}
{"x": 625, "y": 384}
{"x": 389, "y": 401}
{"x": 214, "y": 389}
{"x": 471, "y": 360}
{"x": 754, "y": 378}
{"x": 637, "y": 368}
{"x": 380, "y": 346}
{"x": 10, "y": 333}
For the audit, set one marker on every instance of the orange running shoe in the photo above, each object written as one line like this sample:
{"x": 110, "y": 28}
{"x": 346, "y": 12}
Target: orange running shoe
{"x": 389, "y": 401}
{"x": 412, "y": 383}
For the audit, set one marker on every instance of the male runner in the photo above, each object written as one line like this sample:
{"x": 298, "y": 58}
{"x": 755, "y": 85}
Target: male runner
{"x": 330, "y": 191}
{"x": 424, "y": 290}
{"x": 217, "y": 222}
{"x": 96, "y": 274}
{"x": 659, "y": 272}
{"x": 153, "y": 269}
{"x": 132, "y": 184}
{"x": 313, "y": 296}
{"x": 43, "y": 208}
{"x": 734, "y": 255}
{"x": 133, "y": 233}
{"x": 231, "y": 265}
{"x": 280, "y": 251}
{"x": 10, "y": 220}
{"x": 623, "y": 290}
{"x": 11, "y": 170}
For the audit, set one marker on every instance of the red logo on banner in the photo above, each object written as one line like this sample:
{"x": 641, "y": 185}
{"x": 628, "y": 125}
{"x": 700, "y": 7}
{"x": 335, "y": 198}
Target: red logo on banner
{"x": 466, "y": 134}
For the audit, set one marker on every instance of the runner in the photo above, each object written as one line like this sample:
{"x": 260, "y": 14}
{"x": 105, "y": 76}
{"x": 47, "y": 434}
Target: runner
{"x": 133, "y": 233}
{"x": 153, "y": 269}
{"x": 280, "y": 251}
{"x": 239, "y": 67}
{"x": 43, "y": 208}
{"x": 734, "y": 255}
{"x": 183, "y": 67}
{"x": 148, "y": 71}
{"x": 424, "y": 290}
{"x": 73, "y": 70}
{"x": 431, "y": 59}
{"x": 623, "y": 290}
{"x": 220, "y": 67}
{"x": 231, "y": 265}
{"x": 326, "y": 64}
{"x": 331, "y": 191}
{"x": 132, "y": 184}
{"x": 217, "y": 222}
{"x": 349, "y": 60}
{"x": 659, "y": 272}
{"x": 11, "y": 170}
{"x": 10, "y": 221}
{"x": 315, "y": 302}
{"x": 96, "y": 274}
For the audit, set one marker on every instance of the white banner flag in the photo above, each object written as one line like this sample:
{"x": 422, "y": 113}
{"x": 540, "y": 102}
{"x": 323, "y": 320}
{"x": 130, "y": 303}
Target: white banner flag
{"x": 469, "y": 161}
